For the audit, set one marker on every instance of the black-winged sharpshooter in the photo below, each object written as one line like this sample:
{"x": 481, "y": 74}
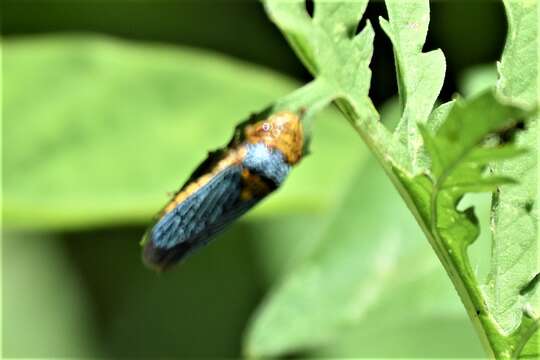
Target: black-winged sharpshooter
{"x": 226, "y": 185}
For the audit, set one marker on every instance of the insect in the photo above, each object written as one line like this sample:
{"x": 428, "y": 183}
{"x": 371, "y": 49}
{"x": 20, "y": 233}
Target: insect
{"x": 224, "y": 186}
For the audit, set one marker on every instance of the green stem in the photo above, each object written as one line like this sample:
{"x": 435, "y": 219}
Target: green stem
{"x": 309, "y": 99}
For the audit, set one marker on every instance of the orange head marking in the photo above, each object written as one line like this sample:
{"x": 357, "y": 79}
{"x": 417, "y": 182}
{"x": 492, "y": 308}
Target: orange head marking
{"x": 282, "y": 131}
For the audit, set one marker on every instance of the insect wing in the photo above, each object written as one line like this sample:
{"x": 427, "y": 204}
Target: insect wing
{"x": 196, "y": 219}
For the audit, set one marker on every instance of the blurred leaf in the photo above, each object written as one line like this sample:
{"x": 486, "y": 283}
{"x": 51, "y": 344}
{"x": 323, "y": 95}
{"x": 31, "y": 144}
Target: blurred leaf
{"x": 198, "y": 310}
{"x": 413, "y": 318}
{"x": 286, "y": 241}
{"x": 477, "y": 79}
{"x": 532, "y": 348}
{"x": 174, "y": 22}
{"x": 515, "y": 263}
{"x": 46, "y": 311}
{"x": 100, "y": 130}
{"x": 361, "y": 275}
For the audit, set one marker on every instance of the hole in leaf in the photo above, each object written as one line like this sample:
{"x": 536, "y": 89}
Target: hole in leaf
{"x": 528, "y": 206}
{"x": 383, "y": 78}
{"x": 508, "y": 135}
{"x": 480, "y": 263}
{"x": 374, "y": 9}
{"x": 309, "y": 7}
{"x": 530, "y": 285}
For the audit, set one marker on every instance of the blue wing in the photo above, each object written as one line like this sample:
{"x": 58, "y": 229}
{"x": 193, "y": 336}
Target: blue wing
{"x": 195, "y": 220}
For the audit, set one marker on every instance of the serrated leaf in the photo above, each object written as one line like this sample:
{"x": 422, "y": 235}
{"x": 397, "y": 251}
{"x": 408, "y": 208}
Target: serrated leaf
{"x": 420, "y": 75}
{"x": 518, "y": 66}
{"x": 452, "y": 144}
{"x": 331, "y": 51}
{"x": 515, "y": 256}
{"x": 459, "y": 157}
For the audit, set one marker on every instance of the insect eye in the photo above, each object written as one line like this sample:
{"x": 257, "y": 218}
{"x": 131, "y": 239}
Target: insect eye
{"x": 266, "y": 127}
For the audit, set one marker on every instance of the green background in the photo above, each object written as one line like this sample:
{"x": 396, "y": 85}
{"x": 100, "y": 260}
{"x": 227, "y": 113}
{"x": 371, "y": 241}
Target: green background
{"x": 107, "y": 106}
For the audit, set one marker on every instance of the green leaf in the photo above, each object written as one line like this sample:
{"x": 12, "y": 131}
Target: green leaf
{"x": 46, "y": 310}
{"x": 515, "y": 262}
{"x": 97, "y": 131}
{"x": 358, "y": 279}
{"x": 477, "y": 79}
{"x": 329, "y": 48}
{"x": 518, "y": 66}
{"x": 420, "y": 75}
{"x": 457, "y": 138}
{"x": 532, "y": 348}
